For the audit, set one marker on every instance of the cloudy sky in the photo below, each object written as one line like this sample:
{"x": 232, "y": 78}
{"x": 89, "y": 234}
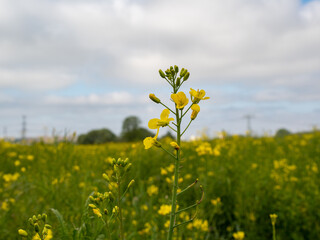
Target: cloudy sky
{"x": 82, "y": 65}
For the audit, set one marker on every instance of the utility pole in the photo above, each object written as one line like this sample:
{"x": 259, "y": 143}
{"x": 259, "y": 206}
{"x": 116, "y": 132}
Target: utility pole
{"x": 24, "y": 128}
{"x": 4, "y": 131}
{"x": 249, "y": 117}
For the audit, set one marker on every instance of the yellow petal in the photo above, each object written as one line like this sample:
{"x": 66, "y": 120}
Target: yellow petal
{"x": 153, "y": 123}
{"x": 174, "y": 97}
{"x": 147, "y": 142}
{"x": 165, "y": 114}
{"x": 202, "y": 93}
{"x": 192, "y": 91}
{"x": 195, "y": 107}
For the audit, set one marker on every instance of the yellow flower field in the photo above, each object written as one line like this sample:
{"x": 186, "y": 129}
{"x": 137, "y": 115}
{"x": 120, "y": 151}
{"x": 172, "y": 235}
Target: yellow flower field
{"x": 245, "y": 179}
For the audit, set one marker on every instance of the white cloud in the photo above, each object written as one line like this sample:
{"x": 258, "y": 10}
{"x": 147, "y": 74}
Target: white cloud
{"x": 34, "y": 79}
{"x": 232, "y": 41}
{"x": 111, "y": 99}
{"x": 117, "y": 46}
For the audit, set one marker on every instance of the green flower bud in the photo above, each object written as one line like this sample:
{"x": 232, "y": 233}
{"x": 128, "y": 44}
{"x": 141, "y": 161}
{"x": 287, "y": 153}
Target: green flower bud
{"x": 39, "y": 217}
{"x": 34, "y": 218}
{"x": 105, "y": 176}
{"x": 36, "y": 227}
{"x": 130, "y": 183}
{"x": 105, "y": 211}
{"x": 47, "y": 226}
{"x": 178, "y": 81}
{"x": 128, "y": 167}
{"x": 162, "y": 73}
{"x": 176, "y": 68}
{"x": 186, "y": 76}
{"x": 44, "y": 217}
{"x": 182, "y": 72}
{"x": 154, "y": 98}
{"x": 30, "y": 220}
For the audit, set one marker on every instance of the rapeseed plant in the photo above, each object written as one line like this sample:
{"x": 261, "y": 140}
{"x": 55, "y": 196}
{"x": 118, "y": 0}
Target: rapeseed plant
{"x": 175, "y": 80}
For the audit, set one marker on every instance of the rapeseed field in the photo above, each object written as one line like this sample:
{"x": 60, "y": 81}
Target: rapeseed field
{"x": 244, "y": 179}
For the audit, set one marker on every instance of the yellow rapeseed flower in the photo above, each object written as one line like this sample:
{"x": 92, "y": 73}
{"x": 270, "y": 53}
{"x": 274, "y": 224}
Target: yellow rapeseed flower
{"x": 195, "y": 110}
{"x": 148, "y": 142}
{"x": 197, "y": 96}
{"x": 164, "y": 120}
{"x": 180, "y": 99}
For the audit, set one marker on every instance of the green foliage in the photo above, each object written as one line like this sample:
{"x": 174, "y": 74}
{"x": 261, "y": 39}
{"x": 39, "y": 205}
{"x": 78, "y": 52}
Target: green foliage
{"x": 97, "y": 137}
{"x": 63, "y": 229}
{"x": 131, "y": 130}
{"x": 282, "y": 132}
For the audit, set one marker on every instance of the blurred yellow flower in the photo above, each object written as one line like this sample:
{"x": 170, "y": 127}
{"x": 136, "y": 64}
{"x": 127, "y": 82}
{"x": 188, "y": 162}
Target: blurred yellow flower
{"x": 48, "y": 236}
{"x": 197, "y": 96}
{"x": 175, "y": 145}
{"x": 164, "y": 209}
{"x": 152, "y": 190}
{"x": 238, "y": 235}
{"x": 97, "y": 212}
{"x": 216, "y": 201}
{"x": 273, "y": 218}
{"x": 180, "y": 99}
{"x": 201, "y": 225}
{"x": 22, "y": 233}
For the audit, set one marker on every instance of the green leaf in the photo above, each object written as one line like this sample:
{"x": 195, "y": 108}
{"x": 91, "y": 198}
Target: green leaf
{"x": 63, "y": 229}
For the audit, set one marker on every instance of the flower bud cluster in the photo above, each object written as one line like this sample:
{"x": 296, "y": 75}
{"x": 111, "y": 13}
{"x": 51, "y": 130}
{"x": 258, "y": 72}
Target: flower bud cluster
{"x": 39, "y": 227}
{"x": 171, "y": 75}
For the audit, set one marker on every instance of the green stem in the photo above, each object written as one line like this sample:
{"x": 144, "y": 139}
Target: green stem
{"x": 168, "y": 152}
{"x": 167, "y": 107}
{"x": 274, "y": 231}
{"x": 169, "y": 82}
{"x": 108, "y": 226}
{"x": 191, "y": 185}
{"x": 120, "y": 211}
{"x": 175, "y": 184}
{"x": 187, "y": 110}
{"x": 186, "y": 127}
{"x": 192, "y": 206}
{"x": 172, "y": 128}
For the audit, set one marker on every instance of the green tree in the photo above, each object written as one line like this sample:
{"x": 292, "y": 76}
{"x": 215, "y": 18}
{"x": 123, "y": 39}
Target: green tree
{"x": 131, "y": 130}
{"x": 282, "y": 132}
{"x": 97, "y": 137}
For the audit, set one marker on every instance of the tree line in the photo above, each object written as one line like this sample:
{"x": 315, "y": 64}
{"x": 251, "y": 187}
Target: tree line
{"x": 131, "y": 132}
